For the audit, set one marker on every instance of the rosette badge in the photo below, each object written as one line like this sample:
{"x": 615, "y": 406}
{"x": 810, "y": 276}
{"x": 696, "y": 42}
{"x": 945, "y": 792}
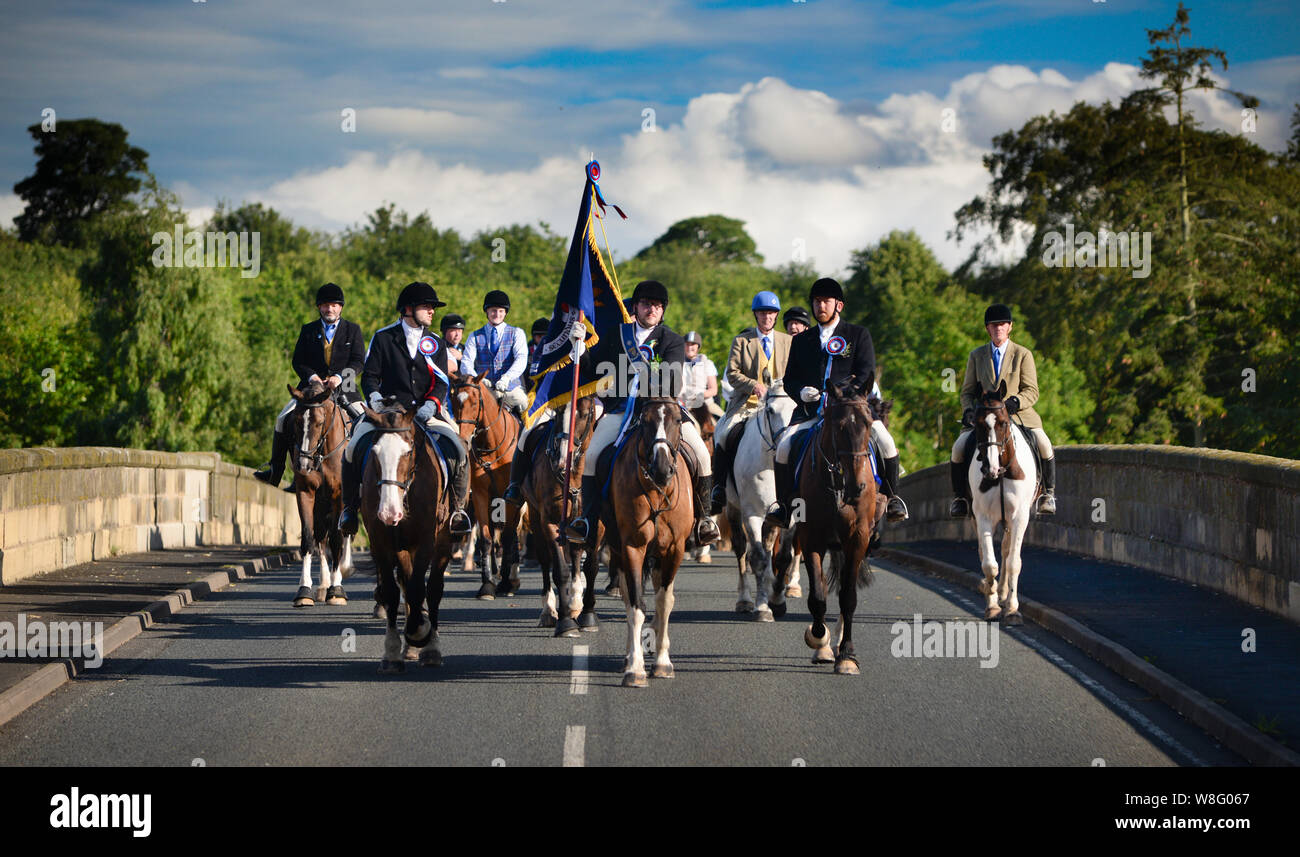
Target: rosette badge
{"x": 647, "y": 353}
{"x": 428, "y": 346}
{"x": 593, "y": 171}
{"x": 835, "y": 346}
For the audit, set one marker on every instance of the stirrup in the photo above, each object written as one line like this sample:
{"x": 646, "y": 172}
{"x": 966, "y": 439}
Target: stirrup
{"x": 348, "y": 521}
{"x": 960, "y": 508}
{"x": 706, "y": 532}
{"x": 1046, "y": 504}
{"x": 777, "y": 515}
{"x": 896, "y": 510}
{"x": 578, "y": 531}
{"x": 460, "y": 523}
{"x": 718, "y": 502}
{"x": 513, "y": 495}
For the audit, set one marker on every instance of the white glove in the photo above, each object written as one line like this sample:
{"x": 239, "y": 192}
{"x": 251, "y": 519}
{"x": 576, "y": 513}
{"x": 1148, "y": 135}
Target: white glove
{"x": 427, "y": 412}
{"x": 376, "y": 400}
{"x": 577, "y": 340}
{"x": 487, "y": 382}
{"x": 810, "y": 394}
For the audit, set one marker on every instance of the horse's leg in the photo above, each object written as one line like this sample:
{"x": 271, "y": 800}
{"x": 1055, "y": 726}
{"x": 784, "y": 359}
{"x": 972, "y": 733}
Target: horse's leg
{"x": 759, "y": 561}
{"x": 989, "y": 563}
{"x": 781, "y": 561}
{"x": 590, "y": 563}
{"x": 846, "y": 662}
{"x": 817, "y": 636}
{"x": 550, "y": 577}
{"x": 1012, "y": 542}
{"x": 792, "y": 588}
{"x": 389, "y": 593}
{"x": 565, "y": 576}
{"x": 418, "y": 629}
{"x": 322, "y": 554}
{"x": 510, "y": 551}
{"x": 634, "y": 664}
{"x": 306, "y": 595}
{"x": 487, "y": 590}
{"x": 663, "y": 607}
{"x": 430, "y": 653}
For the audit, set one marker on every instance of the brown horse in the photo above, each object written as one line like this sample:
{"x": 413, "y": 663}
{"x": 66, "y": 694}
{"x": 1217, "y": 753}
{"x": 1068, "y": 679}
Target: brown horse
{"x": 490, "y": 433}
{"x": 838, "y": 514}
{"x": 317, "y": 436}
{"x": 647, "y": 519}
{"x": 406, "y": 510}
{"x": 544, "y": 493}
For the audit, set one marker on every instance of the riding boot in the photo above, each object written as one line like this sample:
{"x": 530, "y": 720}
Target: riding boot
{"x": 778, "y": 514}
{"x": 706, "y": 531}
{"x": 582, "y": 531}
{"x": 960, "y": 507}
{"x": 1047, "y": 502}
{"x": 897, "y": 510}
{"x": 721, "y": 470}
{"x": 519, "y": 466}
{"x": 351, "y": 497}
{"x": 460, "y": 523}
{"x": 275, "y": 469}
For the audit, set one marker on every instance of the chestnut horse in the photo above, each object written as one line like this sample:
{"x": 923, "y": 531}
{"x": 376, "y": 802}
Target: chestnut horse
{"x": 490, "y": 433}
{"x": 648, "y": 517}
{"x": 405, "y": 508}
{"x": 317, "y": 436}
{"x": 839, "y": 511}
{"x": 544, "y": 493}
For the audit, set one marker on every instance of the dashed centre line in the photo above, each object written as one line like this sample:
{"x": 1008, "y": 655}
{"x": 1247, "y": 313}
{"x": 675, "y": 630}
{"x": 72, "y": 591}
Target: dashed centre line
{"x": 575, "y": 740}
{"x": 578, "y": 682}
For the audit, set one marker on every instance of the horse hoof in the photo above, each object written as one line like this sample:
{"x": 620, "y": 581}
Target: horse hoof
{"x": 612, "y": 588}
{"x": 304, "y": 598}
{"x": 380, "y": 612}
{"x": 662, "y": 671}
{"x": 431, "y": 658}
{"x": 793, "y": 592}
{"x": 634, "y": 680}
{"x": 778, "y": 610}
{"x": 588, "y": 622}
{"x": 322, "y": 593}
{"x": 566, "y": 627}
{"x": 764, "y": 614}
{"x": 507, "y": 588}
{"x": 847, "y": 665}
{"x": 392, "y": 667}
{"x": 1013, "y": 620}
{"x": 705, "y": 559}
{"x": 992, "y": 613}
{"x": 487, "y": 592}
{"x": 411, "y": 653}
{"x": 547, "y": 619}
{"x": 817, "y": 642}
{"x": 744, "y": 606}
{"x": 336, "y": 597}
{"x": 824, "y": 655}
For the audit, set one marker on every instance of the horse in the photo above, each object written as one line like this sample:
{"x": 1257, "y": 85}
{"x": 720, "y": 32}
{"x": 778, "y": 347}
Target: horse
{"x": 648, "y": 518}
{"x": 490, "y": 434}
{"x": 317, "y": 436}
{"x": 1004, "y": 457}
{"x": 707, "y": 422}
{"x": 838, "y": 515}
{"x": 406, "y": 510}
{"x": 750, "y": 491}
{"x": 543, "y": 490}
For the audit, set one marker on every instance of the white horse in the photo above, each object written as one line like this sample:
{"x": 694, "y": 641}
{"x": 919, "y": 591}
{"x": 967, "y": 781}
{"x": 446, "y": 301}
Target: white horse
{"x": 1005, "y": 464}
{"x": 750, "y": 491}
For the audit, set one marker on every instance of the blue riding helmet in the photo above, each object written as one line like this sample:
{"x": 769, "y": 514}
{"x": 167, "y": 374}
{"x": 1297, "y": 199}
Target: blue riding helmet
{"x": 767, "y": 301}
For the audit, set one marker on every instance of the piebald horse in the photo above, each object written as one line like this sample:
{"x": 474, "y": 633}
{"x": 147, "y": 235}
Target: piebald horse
{"x": 648, "y": 518}
{"x": 406, "y": 510}
{"x": 490, "y": 433}
{"x": 1003, "y": 481}
{"x": 317, "y": 437}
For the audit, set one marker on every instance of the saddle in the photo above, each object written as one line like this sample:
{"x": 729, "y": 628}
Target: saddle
{"x": 440, "y": 443}
{"x": 605, "y": 463}
{"x": 1031, "y": 443}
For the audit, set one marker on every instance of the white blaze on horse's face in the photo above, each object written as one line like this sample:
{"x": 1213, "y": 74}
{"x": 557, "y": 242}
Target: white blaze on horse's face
{"x": 661, "y": 446}
{"x": 389, "y": 450}
{"x": 991, "y": 452}
{"x": 305, "y": 447}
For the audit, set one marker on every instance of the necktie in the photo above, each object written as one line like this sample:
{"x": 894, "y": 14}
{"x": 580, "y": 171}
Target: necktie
{"x": 492, "y": 341}
{"x": 997, "y": 363}
{"x": 767, "y": 348}
{"x": 329, "y": 333}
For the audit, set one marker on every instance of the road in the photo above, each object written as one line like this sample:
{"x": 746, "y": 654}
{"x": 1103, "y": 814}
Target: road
{"x": 243, "y": 678}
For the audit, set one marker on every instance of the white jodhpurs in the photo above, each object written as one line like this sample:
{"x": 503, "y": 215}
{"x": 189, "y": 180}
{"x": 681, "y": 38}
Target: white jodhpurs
{"x": 880, "y": 437}
{"x": 607, "y": 432}
{"x": 1044, "y": 445}
{"x": 439, "y": 425}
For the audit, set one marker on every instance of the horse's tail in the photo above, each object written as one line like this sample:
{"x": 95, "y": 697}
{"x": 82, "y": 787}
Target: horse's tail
{"x": 865, "y": 573}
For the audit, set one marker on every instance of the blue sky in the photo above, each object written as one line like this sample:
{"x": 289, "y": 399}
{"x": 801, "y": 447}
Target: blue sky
{"x": 814, "y": 122}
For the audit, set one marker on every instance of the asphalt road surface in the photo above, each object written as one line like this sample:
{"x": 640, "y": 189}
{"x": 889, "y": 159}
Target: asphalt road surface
{"x": 243, "y": 678}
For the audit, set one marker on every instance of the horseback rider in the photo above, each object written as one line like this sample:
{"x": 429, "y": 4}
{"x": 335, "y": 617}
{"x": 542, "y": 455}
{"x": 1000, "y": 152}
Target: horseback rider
{"x": 700, "y": 376}
{"x": 327, "y": 349}
{"x": 407, "y": 360}
{"x": 453, "y": 335}
{"x": 852, "y": 360}
{"x": 999, "y": 360}
{"x": 539, "y": 333}
{"x": 501, "y": 351}
{"x": 796, "y": 320}
{"x": 758, "y": 357}
{"x": 657, "y": 342}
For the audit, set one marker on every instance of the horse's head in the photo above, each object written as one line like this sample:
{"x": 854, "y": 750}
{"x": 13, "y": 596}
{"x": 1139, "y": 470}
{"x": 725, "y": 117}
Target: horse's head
{"x": 993, "y": 430}
{"x": 392, "y": 459}
{"x": 847, "y": 431}
{"x": 778, "y": 408}
{"x": 469, "y": 403}
{"x": 586, "y": 417}
{"x": 658, "y": 438}
{"x": 311, "y": 423}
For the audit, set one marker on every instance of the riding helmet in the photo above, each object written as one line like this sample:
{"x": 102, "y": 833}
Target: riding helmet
{"x": 766, "y": 301}
{"x": 452, "y": 321}
{"x": 997, "y": 313}
{"x": 826, "y": 288}
{"x": 416, "y": 294}
{"x": 797, "y": 313}
{"x": 496, "y": 297}
{"x": 541, "y": 326}
{"x": 650, "y": 290}
{"x": 693, "y": 336}
{"x": 329, "y": 293}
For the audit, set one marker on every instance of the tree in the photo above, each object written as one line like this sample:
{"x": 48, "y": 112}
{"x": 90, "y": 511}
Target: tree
{"x": 83, "y": 169}
{"x": 722, "y": 239}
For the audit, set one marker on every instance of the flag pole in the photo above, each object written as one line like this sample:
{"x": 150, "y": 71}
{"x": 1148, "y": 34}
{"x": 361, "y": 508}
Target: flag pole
{"x": 573, "y": 425}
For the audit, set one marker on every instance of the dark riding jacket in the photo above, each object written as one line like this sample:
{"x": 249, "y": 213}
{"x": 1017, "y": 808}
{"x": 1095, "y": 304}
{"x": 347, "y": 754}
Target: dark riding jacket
{"x": 668, "y": 356}
{"x": 806, "y": 367}
{"x": 347, "y": 352}
{"x": 391, "y": 371}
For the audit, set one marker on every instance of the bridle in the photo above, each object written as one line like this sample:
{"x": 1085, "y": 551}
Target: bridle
{"x": 558, "y": 437}
{"x": 317, "y": 457}
{"x": 402, "y": 486}
{"x": 984, "y": 447}
{"x": 832, "y": 463}
{"x": 481, "y": 455}
{"x": 643, "y": 474}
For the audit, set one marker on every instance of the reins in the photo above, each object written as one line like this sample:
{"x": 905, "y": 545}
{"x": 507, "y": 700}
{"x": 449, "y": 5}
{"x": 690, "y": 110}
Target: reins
{"x": 317, "y": 458}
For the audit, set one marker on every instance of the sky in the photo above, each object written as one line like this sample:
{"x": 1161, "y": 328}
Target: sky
{"x": 823, "y": 124}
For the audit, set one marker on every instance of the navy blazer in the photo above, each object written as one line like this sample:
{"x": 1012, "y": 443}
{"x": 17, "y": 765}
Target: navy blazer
{"x": 807, "y": 365}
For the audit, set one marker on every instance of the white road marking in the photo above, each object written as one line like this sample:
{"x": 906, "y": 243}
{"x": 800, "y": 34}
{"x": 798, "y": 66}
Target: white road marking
{"x": 578, "y": 684}
{"x": 575, "y": 739}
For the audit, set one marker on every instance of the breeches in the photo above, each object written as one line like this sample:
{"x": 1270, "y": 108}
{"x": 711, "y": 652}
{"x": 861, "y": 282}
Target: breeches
{"x": 1044, "y": 445}
{"x": 880, "y": 438}
{"x": 607, "y": 432}
{"x": 439, "y": 426}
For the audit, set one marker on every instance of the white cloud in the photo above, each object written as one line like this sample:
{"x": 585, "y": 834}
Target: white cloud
{"x": 11, "y": 205}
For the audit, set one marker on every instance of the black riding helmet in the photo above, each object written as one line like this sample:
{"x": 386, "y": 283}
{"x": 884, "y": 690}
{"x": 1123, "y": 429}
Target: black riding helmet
{"x": 797, "y": 313}
{"x": 541, "y": 326}
{"x": 329, "y": 293}
{"x": 452, "y": 321}
{"x": 651, "y": 290}
{"x": 418, "y": 293}
{"x": 997, "y": 313}
{"x": 496, "y": 297}
{"x": 826, "y": 288}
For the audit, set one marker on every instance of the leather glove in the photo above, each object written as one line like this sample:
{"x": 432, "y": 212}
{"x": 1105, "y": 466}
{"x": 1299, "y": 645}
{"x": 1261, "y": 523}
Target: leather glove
{"x": 427, "y": 412}
{"x": 1013, "y": 404}
{"x": 968, "y": 418}
{"x": 810, "y": 394}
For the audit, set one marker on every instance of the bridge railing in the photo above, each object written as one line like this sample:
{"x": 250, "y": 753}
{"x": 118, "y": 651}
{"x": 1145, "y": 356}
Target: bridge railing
{"x": 61, "y": 507}
{"x": 1229, "y": 521}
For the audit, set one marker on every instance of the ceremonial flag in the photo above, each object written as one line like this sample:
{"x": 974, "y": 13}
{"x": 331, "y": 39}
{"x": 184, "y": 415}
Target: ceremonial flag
{"x": 587, "y": 290}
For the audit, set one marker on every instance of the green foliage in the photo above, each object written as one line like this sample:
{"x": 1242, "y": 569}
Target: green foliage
{"x": 721, "y": 239}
